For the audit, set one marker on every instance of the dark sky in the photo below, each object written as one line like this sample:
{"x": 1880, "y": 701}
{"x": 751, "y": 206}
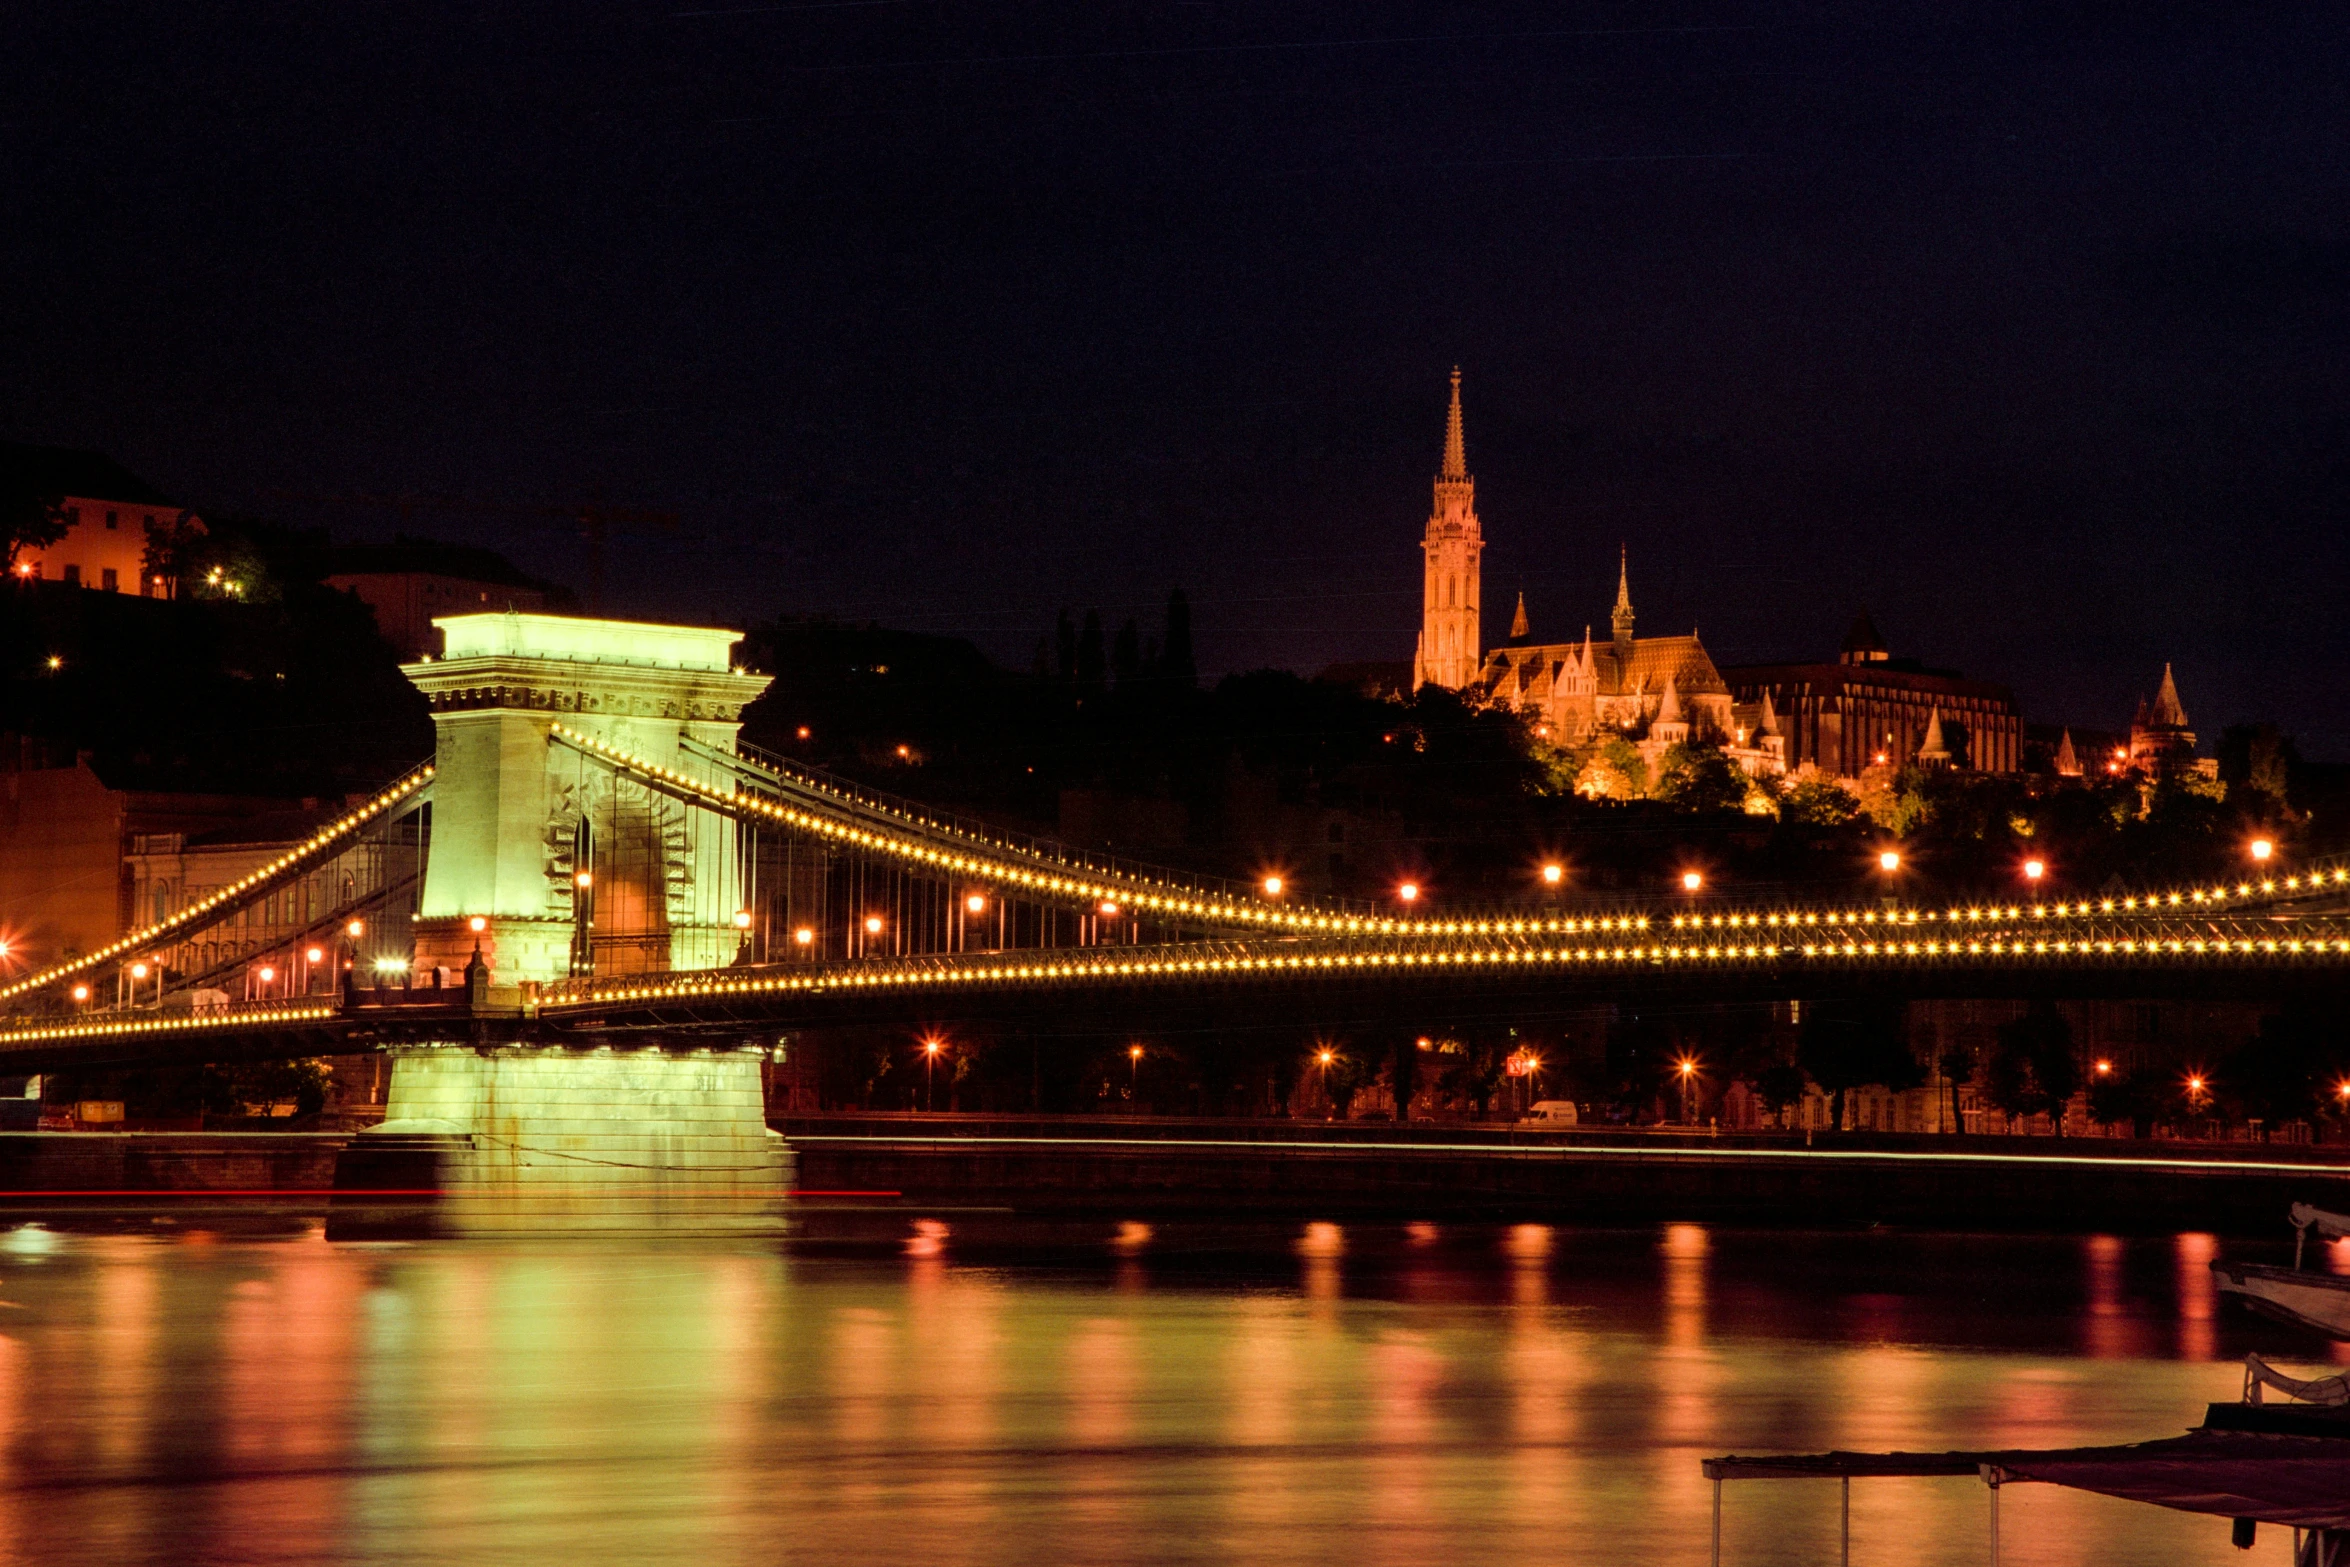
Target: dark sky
{"x": 2023, "y": 325}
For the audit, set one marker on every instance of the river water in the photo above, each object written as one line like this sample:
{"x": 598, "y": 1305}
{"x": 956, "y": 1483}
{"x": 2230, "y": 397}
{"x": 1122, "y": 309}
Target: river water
{"x": 967, "y": 1391}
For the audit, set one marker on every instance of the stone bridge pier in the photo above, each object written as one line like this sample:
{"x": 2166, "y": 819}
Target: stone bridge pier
{"x": 541, "y": 866}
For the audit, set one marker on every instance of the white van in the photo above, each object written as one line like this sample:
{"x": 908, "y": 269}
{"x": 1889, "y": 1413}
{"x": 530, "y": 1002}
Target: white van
{"x": 1552, "y": 1112}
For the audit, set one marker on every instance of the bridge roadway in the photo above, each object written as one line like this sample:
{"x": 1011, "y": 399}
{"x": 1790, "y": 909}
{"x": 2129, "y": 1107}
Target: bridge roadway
{"x": 1261, "y": 959}
{"x": 1258, "y": 982}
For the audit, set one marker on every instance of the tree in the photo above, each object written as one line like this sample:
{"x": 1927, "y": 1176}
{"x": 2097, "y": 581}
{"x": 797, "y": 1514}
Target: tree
{"x": 1697, "y": 776}
{"x": 30, "y": 522}
{"x": 2033, "y": 1068}
{"x": 1404, "y": 1075}
{"x": 1853, "y": 1044}
{"x": 1780, "y": 1086}
{"x": 1475, "y": 1073}
{"x": 1818, "y": 801}
{"x": 174, "y": 550}
{"x": 1092, "y": 666}
{"x": 2123, "y": 1096}
{"x": 1614, "y": 769}
{"x": 2258, "y": 757}
{"x": 1342, "y": 1079}
{"x": 1126, "y": 654}
{"x": 2291, "y": 1070}
{"x": 1958, "y": 1066}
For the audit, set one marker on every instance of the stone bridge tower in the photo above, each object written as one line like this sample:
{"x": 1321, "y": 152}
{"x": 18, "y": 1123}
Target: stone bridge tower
{"x": 509, "y": 807}
{"x": 520, "y": 1135}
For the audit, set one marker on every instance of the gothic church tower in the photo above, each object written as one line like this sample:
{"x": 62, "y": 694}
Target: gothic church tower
{"x": 1450, "y": 654}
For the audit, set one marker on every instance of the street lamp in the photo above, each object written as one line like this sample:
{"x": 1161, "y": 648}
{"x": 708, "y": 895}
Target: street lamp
{"x": 1553, "y": 873}
{"x": 2104, "y": 1068}
{"x": 804, "y": 936}
{"x": 872, "y": 924}
{"x": 1322, "y": 1059}
{"x": 1133, "y": 1069}
{"x": 2035, "y": 869}
{"x": 930, "y": 1050}
{"x": 1691, "y": 881}
{"x": 1273, "y": 885}
{"x": 1687, "y": 1067}
{"x": 2262, "y": 848}
{"x": 976, "y": 903}
{"x": 1889, "y": 860}
{"x": 1409, "y": 892}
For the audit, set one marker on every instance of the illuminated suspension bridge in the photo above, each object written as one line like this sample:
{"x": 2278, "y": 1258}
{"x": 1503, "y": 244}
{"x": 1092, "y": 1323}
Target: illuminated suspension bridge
{"x": 587, "y": 918}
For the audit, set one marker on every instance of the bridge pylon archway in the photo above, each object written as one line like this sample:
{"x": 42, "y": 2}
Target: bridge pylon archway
{"x": 542, "y": 869}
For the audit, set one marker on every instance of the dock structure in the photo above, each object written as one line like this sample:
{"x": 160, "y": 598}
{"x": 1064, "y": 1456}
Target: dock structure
{"x": 2286, "y": 1465}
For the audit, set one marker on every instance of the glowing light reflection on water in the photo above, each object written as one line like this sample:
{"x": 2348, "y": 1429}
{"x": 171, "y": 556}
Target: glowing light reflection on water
{"x": 1162, "y": 1393}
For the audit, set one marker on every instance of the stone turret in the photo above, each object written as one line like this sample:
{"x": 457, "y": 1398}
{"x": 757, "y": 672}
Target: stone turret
{"x": 2161, "y": 744}
{"x": 1935, "y": 752}
{"x": 1669, "y": 727}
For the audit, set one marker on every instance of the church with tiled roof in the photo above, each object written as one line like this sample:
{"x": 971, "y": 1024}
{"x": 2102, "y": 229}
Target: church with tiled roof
{"x": 1653, "y": 691}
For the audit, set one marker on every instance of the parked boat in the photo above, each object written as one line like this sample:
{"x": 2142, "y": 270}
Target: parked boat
{"x": 2306, "y": 1297}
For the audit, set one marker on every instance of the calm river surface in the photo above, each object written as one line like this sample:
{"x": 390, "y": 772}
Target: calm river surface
{"x": 1303, "y": 1394}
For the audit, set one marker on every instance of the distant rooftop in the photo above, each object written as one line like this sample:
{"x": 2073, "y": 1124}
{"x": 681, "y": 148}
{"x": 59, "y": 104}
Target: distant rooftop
{"x": 52, "y": 471}
{"x": 405, "y": 554}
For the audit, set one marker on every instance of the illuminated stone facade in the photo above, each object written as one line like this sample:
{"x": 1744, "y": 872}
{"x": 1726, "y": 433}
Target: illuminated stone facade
{"x": 567, "y": 867}
{"x": 1655, "y": 692}
{"x": 513, "y": 812}
{"x": 1869, "y": 709}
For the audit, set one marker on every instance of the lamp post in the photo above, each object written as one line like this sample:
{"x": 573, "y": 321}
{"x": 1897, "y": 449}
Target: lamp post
{"x": 1323, "y": 1058}
{"x": 930, "y": 1050}
{"x": 1133, "y": 1069}
{"x": 1687, "y": 1067}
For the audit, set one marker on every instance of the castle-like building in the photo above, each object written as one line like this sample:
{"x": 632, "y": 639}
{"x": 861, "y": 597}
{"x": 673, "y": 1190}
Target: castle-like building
{"x": 1657, "y": 692}
{"x": 1866, "y": 710}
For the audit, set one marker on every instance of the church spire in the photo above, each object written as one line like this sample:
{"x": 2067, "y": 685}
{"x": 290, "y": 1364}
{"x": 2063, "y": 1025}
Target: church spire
{"x": 1456, "y": 449}
{"x": 1450, "y": 630}
{"x": 1520, "y": 629}
{"x": 1623, "y": 615}
{"x": 2169, "y": 712}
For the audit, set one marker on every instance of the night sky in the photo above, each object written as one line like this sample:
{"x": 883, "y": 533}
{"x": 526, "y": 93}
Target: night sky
{"x": 2022, "y": 325}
